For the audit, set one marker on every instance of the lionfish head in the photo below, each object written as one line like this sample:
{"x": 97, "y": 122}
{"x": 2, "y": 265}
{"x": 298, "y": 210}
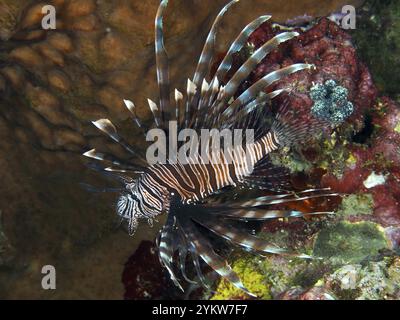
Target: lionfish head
{"x": 128, "y": 209}
{"x": 134, "y": 205}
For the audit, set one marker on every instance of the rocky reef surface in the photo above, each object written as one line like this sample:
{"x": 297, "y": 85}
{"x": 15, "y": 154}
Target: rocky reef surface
{"x": 53, "y": 83}
{"x": 357, "y": 248}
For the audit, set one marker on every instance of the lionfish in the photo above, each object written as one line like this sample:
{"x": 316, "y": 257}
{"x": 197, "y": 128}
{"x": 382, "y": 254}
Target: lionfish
{"x": 182, "y": 191}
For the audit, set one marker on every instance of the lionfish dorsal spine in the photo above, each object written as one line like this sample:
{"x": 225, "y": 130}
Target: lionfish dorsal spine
{"x": 162, "y": 62}
{"x": 237, "y": 45}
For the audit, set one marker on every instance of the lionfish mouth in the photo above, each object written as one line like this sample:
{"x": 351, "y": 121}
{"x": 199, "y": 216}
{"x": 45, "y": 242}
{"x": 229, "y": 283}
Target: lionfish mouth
{"x": 218, "y": 103}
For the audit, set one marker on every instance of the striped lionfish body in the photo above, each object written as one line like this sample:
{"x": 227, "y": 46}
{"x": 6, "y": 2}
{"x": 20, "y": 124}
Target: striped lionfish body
{"x": 200, "y": 177}
{"x": 181, "y": 190}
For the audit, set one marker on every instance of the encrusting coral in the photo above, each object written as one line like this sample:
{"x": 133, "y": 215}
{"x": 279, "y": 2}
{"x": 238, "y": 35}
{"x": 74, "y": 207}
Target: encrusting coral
{"x": 361, "y": 160}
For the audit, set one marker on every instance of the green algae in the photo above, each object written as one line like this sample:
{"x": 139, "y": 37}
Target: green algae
{"x": 397, "y": 128}
{"x": 350, "y": 242}
{"x": 356, "y": 204}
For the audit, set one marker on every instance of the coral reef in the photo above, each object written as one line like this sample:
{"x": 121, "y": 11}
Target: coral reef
{"x": 359, "y": 244}
{"x": 348, "y": 250}
{"x": 373, "y": 281}
{"x": 375, "y": 168}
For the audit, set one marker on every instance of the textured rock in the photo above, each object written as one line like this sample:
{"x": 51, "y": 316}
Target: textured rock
{"x": 14, "y": 76}
{"x": 26, "y": 56}
{"x": 59, "y": 80}
{"x": 61, "y": 42}
{"x": 51, "y": 54}
{"x": 32, "y": 16}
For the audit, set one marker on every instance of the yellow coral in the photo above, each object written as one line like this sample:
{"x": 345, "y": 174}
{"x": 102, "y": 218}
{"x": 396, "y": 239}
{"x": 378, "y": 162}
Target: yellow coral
{"x": 252, "y": 279}
{"x": 351, "y": 160}
{"x": 397, "y": 128}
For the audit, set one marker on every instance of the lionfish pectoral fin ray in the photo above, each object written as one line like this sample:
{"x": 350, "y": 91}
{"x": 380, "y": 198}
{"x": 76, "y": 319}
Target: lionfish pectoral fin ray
{"x": 122, "y": 170}
{"x": 212, "y": 259}
{"x": 132, "y": 109}
{"x": 199, "y": 273}
{"x": 94, "y": 154}
{"x": 264, "y": 82}
{"x": 162, "y": 62}
{"x": 251, "y": 63}
{"x": 155, "y": 111}
{"x": 248, "y": 241}
{"x": 238, "y": 44}
{"x": 208, "y": 49}
{"x": 123, "y": 179}
{"x": 261, "y": 214}
{"x": 166, "y": 248}
{"x": 183, "y": 253}
{"x": 106, "y": 126}
{"x": 265, "y": 201}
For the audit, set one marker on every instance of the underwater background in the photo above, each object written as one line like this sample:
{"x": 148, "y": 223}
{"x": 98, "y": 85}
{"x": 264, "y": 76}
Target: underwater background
{"x": 53, "y": 83}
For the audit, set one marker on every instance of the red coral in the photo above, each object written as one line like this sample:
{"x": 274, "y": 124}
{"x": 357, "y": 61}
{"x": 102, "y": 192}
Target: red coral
{"x": 382, "y": 157}
{"x": 330, "y": 48}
